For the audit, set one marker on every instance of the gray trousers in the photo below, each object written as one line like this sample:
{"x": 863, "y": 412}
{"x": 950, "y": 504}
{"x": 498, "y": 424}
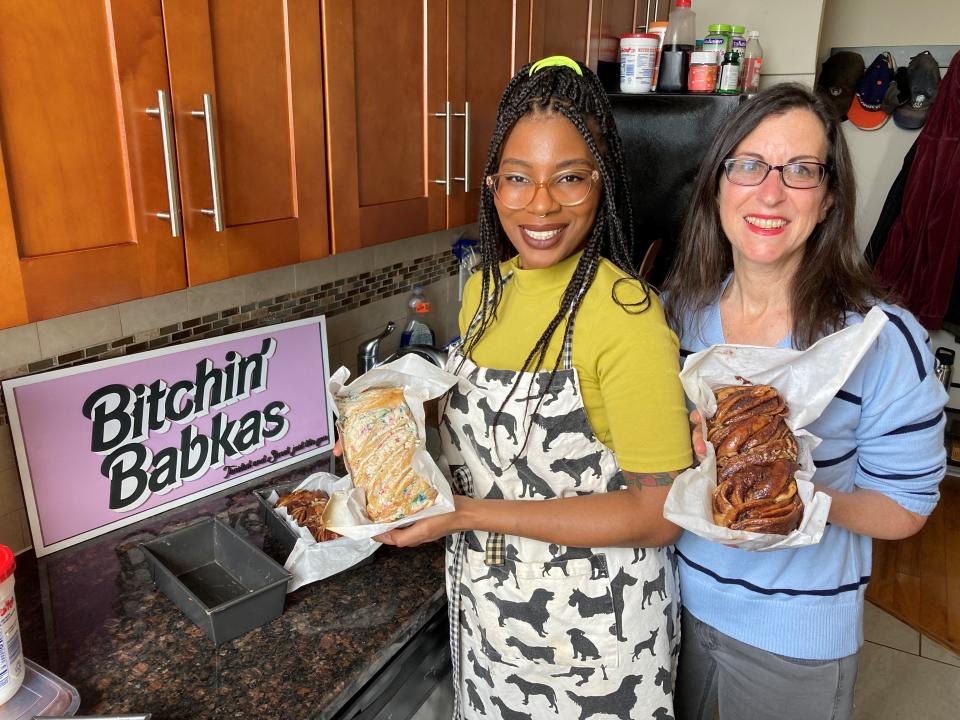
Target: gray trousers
{"x": 746, "y": 683}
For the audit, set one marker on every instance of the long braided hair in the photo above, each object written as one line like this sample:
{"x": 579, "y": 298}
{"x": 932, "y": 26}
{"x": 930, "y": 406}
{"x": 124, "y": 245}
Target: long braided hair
{"x": 581, "y": 99}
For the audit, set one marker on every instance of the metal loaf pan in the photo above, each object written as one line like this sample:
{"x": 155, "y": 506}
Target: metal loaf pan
{"x": 285, "y": 535}
{"x": 219, "y": 580}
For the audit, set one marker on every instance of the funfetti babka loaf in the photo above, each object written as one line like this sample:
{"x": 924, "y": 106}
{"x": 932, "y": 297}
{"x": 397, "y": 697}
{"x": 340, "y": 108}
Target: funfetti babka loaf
{"x": 756, "y": 461}
{"x": 378, "y": 434}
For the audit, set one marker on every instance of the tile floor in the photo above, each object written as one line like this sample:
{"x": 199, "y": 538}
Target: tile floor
{"x": 903, "y": 676}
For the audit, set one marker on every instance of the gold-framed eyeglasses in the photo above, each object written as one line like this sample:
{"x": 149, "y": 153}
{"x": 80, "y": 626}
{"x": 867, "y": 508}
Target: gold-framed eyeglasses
{"x": 568, "y": 187}
{"x": 804, "y": 175}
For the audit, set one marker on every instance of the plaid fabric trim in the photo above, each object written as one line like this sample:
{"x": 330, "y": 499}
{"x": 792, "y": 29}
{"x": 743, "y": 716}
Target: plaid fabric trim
{"x": 462, "y": 485}
{"x": 567, "y": 356}
{"x": 494, "y": 553}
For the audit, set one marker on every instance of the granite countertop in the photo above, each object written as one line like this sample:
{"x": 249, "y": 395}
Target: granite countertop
{"x": 92, "y": 615}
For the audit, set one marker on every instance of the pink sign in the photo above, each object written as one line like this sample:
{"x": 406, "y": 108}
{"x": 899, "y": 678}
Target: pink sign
{"x": 103, "y": 445}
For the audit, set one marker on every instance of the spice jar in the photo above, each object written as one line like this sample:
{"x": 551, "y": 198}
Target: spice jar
{"x": 11, "y": 651}
{"x": 703, "y": 73}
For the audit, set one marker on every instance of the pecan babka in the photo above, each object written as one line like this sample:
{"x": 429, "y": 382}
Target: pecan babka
{"x": 306, "y": 508}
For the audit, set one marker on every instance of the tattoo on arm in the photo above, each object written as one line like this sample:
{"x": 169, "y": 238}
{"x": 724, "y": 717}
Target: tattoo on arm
{"x": 642, "y": 480}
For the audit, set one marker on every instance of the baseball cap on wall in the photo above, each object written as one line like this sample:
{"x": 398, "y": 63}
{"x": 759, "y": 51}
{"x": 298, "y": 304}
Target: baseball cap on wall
{"x": 924, "y": 75}
{"x": 899, "y": 91}
{"x": 837, "y": 83}
{"x": 866, "y": 110}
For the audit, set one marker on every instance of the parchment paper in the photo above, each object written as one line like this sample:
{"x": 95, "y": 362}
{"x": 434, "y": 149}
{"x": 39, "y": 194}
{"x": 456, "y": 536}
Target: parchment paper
{"x": 808, "y": 380}
{"x": 310, "y": 560}
{"x": 421, "y": 381}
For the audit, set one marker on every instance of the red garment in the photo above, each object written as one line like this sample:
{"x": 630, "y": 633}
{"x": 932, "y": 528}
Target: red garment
{"x": 919, "y": 260}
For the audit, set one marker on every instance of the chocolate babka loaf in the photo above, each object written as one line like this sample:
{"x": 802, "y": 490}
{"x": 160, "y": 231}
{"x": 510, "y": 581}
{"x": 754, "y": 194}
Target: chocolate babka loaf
{"x": 756, "y": 461}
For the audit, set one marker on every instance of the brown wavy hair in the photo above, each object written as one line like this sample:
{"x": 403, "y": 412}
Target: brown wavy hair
{"x": 832, "y": 279}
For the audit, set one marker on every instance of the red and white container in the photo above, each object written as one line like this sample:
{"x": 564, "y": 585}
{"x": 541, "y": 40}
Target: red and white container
{"x": 11, "y": 650}
{"x": 638, "y": 59}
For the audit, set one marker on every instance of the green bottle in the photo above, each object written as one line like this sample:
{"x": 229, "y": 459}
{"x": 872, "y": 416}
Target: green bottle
{"x": 729, "y": 74}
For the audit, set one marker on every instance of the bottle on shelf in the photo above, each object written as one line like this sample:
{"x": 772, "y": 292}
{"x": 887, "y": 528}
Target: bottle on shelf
{"x": 678, "y": 43}
{"x": 737, "y": 41}
{"x": 752, "y": 60}
{"x": 729, "y": 74}
{"x": 658, "y": 28}
{"x": 716, "y": 41}
{"x": 417, "y": 332}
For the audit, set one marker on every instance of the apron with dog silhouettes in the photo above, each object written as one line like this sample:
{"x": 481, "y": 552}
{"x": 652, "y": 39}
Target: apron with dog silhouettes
{"x": 539, "y": 630}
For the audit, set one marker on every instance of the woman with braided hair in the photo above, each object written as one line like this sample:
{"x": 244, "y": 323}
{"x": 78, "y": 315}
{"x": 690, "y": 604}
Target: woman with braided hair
{"x": 564, "y": 432}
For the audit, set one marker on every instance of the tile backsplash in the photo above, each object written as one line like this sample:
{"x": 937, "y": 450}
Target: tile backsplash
{"x": 358, "y": 292}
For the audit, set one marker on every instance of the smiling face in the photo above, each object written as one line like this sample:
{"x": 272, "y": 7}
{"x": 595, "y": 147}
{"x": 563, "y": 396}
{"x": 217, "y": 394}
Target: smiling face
{"x": 768, "y": 224}
{"x": 545, "y": 232}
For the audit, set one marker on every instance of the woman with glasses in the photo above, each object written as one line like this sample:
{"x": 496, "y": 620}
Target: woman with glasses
{"x": 564, "y": 432}
{"x": 768, "y": 257}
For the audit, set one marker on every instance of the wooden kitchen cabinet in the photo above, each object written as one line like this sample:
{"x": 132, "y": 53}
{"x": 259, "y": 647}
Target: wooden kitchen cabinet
{"x": 390, "y": 68}
{"x": 586, "y": 30}
{"x": 82, "y": 170}
{"x": 261, "y": 64}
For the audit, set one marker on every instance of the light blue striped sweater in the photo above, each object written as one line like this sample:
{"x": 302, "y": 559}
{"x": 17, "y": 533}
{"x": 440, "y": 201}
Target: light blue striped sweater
{"x": 883, "y": 431}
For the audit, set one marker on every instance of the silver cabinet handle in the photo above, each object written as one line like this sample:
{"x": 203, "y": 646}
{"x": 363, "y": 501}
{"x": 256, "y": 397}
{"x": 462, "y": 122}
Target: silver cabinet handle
{"x": 447, "y": 116}
{"x": 210, "y": 123}
{"x": 162, "y": 111}
{"x": 466, "y": 146}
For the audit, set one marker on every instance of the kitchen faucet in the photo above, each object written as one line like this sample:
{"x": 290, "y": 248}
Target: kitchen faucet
{"x": 368, "y": 353}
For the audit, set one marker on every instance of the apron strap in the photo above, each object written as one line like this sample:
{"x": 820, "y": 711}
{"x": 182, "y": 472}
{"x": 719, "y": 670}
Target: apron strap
{"x": 567, "y": 358}
{"x": 463, "y": 485}
{"x": 479, "y": 313}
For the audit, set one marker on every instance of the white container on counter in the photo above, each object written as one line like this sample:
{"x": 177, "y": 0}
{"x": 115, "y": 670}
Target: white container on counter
{"x": 11, "y": 650}
{"x": 638, "y": 60}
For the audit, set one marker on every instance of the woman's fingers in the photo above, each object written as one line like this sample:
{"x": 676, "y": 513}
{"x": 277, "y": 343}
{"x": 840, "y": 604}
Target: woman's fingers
{"x": 337, "y": 450}
{"x": 696, "y": 436}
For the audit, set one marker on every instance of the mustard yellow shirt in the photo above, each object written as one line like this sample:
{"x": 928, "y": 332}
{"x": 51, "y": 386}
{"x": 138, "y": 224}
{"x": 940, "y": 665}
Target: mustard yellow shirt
{"x": 627, "y": 363}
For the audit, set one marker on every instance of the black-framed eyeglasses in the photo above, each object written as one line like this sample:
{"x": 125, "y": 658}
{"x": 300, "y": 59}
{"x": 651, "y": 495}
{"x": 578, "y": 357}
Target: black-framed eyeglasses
{"x": 804, "y": 175}
{"x": 568, "y": 187}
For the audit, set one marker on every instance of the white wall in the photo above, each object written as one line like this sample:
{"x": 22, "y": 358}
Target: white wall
{"x": 789, "y": 32}
{"x": 853, "y": 23}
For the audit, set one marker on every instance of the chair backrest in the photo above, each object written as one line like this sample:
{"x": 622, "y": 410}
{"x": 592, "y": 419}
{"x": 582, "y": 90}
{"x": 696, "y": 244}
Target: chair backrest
{"x": 664, "y": 140}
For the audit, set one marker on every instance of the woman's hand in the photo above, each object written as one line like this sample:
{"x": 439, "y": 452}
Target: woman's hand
{"x": 431, "y": 528}
{"x": 696, "y": 436}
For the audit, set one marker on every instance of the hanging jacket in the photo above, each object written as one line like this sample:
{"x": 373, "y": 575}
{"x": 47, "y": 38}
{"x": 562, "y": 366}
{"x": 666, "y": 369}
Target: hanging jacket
{"x": 919, "y": 260}
{"x": 892, "y": 207}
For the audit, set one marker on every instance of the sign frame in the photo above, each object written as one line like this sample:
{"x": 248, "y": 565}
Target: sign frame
{"x": 11, "y": 386}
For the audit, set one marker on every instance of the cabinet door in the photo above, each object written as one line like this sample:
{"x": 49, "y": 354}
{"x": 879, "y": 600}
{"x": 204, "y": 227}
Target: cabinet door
{"x": 586, "y": 30}
{"x": 488, "y": 43}
{"x": 565, "y": 27}
{"x": 260, "y": 63}
{"x": 81, "y": 163}
{"x": 385, "y": 73}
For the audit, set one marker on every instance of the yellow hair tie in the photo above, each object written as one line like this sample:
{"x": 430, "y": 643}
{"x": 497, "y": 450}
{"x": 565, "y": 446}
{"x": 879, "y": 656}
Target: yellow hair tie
{"x": 556, "y": 61}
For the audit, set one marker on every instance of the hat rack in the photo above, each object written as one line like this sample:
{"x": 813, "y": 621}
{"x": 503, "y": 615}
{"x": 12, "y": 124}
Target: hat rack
{"x": 943, "y": 54}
